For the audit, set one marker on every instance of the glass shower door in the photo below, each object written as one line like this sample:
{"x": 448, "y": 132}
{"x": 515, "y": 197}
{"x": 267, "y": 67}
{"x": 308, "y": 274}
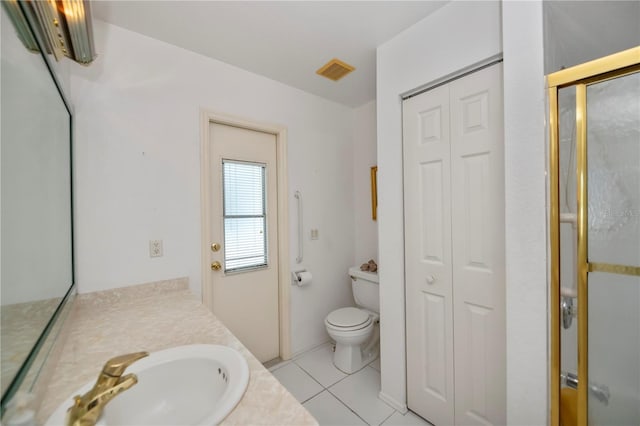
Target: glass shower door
{"x": 613, "y": 164}
{"x": 569, "y": 251}
{"x": 594, "y": 175}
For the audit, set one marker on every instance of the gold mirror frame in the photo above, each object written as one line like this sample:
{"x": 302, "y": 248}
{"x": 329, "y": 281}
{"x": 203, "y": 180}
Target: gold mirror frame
{"x": 580, "y": 76}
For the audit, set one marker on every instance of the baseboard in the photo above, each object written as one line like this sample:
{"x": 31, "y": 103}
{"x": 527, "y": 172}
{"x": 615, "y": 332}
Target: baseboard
{"x": 311, "y": 348}
{"x": 401, "y": 407}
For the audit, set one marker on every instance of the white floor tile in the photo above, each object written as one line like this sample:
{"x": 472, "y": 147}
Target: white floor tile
{"x": 375, "y": 363}
{"x": 319, "y": 364}
{"x": 299, "y": 383}
{"x": 359, "y": 392}
{"x": 329, "y": 411}
{"x": 409, "y": 419}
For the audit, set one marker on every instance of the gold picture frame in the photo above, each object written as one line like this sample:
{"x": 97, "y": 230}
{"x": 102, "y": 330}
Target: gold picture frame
{"x": 374, "y": 192}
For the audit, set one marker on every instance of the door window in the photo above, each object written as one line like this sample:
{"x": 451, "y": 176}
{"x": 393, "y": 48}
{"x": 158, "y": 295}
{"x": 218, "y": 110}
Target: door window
{"x": 245, "y": 218}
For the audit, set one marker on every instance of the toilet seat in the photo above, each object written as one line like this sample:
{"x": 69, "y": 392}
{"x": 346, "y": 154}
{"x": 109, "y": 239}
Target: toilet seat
{"x": 348, "y": 319}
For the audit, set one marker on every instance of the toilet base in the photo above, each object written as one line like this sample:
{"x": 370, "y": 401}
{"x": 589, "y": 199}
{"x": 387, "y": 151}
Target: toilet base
{"x": 350, "y": 359}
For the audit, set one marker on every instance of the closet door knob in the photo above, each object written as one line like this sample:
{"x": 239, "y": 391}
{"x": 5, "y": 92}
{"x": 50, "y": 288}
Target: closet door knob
{"x": 431, "y": 279}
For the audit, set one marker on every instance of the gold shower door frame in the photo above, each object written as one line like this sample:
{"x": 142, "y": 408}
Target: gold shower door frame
{"x": 580, "y": 76}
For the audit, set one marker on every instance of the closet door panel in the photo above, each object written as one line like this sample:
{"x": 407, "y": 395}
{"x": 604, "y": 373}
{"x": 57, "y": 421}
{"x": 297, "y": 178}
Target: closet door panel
{"x": 477, "y": 174}
{"x": 427, "y": 151}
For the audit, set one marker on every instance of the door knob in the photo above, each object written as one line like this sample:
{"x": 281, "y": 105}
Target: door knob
{"x": 431, "y": 279}
{"x": 216, "y": 265}
{"x": 215, "y": 247}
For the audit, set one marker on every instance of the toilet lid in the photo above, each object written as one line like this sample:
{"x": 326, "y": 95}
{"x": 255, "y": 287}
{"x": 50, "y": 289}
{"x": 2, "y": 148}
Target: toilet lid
{"x": 347, "y": 317}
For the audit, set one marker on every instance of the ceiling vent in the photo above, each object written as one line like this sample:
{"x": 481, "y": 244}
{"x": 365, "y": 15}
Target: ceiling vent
{"x": 335, "y": 69}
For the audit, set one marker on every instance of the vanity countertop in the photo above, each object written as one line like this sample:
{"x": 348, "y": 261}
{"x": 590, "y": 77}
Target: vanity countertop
{"x": 152, "y": 317}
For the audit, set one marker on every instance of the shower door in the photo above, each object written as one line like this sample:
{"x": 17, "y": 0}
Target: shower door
{"x": 595, "y": 241}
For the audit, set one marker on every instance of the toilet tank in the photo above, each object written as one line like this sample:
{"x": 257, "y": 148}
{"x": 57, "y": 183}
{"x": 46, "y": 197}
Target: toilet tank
{"x": 365, "y": 287}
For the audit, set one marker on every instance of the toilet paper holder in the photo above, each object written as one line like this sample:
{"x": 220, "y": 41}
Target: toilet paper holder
{"x": 295, "y": 276}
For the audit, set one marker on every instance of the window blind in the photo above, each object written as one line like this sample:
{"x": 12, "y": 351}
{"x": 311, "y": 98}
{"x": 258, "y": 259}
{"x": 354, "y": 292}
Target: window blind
{"x": 245, "y": 219}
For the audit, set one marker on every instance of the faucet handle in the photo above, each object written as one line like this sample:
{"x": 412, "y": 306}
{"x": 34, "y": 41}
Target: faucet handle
{"x": 116, "y": 366}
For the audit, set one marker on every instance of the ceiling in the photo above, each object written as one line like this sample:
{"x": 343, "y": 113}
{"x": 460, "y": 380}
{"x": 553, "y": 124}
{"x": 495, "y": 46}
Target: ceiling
{"x": 286, "y": 41}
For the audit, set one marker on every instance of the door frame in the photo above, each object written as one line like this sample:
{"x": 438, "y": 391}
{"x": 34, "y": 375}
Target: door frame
{"x": 280, "y": 132}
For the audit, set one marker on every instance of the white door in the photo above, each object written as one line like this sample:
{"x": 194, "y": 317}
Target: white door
{"x": 454, "y": 245}
{"x": 244, "y": 225}
{"x": 427, "y": 161}
{"x": 477, "y": 179}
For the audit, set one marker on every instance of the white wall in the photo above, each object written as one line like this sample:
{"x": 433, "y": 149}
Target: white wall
{"x": 138, "y": 169}
{"x": 364, "y": 156}
{"x": 454, "y": 37}
{"x": 525, "y": 195}
{"x": 580, "y": 31}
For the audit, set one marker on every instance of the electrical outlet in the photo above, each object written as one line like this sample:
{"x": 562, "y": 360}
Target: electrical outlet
{"x": 314, "y": 234}
{"x": 155, "y": 248}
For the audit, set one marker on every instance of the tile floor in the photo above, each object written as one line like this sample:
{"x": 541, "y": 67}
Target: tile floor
{"x": 336, "y": 398}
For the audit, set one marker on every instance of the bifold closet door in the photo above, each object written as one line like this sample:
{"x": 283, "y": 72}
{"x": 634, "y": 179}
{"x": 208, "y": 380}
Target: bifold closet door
{"x": 429, "y": 309}
{"x": 454, "y": 251}
{"x": 477, "y": 176}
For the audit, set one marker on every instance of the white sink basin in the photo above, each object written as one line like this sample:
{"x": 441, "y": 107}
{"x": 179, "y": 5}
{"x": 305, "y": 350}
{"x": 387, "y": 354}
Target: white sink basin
{"x": 185, "y": 385}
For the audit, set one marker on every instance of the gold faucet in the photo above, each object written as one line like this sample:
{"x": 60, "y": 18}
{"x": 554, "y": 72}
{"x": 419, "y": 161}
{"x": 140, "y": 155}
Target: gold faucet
{"x": 87, "y": 408}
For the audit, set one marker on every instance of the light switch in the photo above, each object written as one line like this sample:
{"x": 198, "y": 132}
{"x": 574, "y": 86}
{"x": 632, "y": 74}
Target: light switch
{"x": 314, "y": 234}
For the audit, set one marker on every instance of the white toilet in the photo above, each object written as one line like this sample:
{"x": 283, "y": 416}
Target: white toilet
{"x": 356, "y": 331}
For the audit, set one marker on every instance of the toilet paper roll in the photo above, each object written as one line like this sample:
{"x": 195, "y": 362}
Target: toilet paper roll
{"x": 303, "y": 278}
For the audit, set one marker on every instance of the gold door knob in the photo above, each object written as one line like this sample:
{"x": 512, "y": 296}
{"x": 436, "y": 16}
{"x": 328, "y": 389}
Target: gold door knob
{"x": 215, "y": 247}
{"x": 216, "y": 265}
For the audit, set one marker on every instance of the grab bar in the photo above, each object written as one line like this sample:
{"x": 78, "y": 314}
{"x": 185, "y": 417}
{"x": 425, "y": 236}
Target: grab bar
{"x": 299, "y": 198}
{"x": 599, "y": 392}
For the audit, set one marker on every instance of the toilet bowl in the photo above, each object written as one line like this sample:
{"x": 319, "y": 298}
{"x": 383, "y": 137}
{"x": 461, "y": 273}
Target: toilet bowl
{"x": 356, "y": 330}
{"x": 356, "y": 334}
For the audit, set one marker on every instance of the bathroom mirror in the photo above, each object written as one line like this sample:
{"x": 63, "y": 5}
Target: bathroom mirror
{"x": 36, "y": 224}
